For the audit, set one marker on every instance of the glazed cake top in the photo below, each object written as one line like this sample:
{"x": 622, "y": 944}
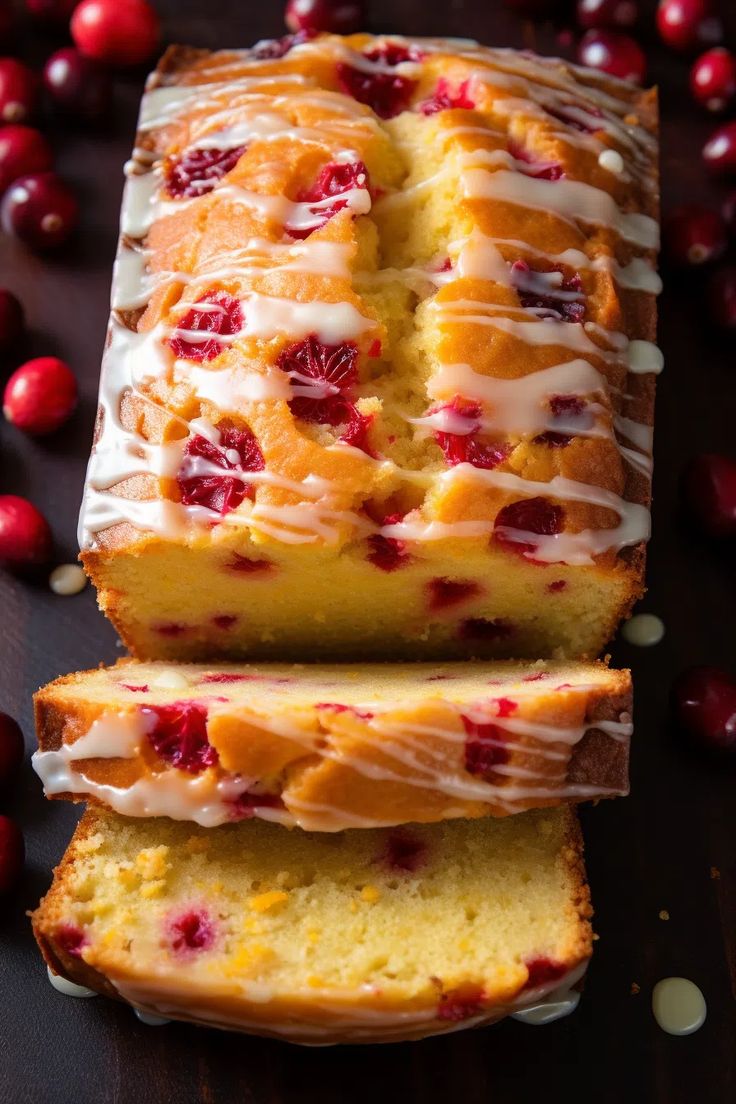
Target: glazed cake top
{"x": 372, "y": 287}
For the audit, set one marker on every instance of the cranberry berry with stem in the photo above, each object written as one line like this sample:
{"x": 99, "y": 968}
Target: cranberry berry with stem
{"x": 688, "y": 25}
{"x": 116, "y": 32}
{"x": 18, "y": 91}
{"x": 704, "y": 705}
{"x": 40, "y": 395}
{"x": 25, "y": 536}
{"x": 694, "y": 235}
{"x": 77, "y": 85}
{"x": 719, "y": 152}
{"x": 609, "y": 15}
{"x": 334, "y": 16}
{"x": 713, "y": 79}
{"x": 11, "y": 748}
{"x": 22, "y": 150}
{"x": 613, "y": 53}
{"x": 40, "y": 209}
{"x": 12, "y": 854}
{"x": 708, "y": 488}
{"x": 12, "y": 320}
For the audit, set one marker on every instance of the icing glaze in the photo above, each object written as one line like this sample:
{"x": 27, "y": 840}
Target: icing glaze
{"x": 679, "y": 1006}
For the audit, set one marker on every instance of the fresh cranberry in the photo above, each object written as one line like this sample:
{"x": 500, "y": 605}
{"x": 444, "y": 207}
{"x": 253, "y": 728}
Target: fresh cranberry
{"x": 22, "y": 150}
{"x": 709, "y": 491}
{"x": 456, "y": 1006}
{"x": 445, "y": 98}
{"x": 18, "y": 91}
{"x": 719, "y": 152}
{"x": 542, "y": 971}
{"x": 387, "y": 94}
{"x": 688, "y": 24}
{"x": 77, "y": 84}
{"x": 189, "y": 932}
{"x": 318, "y": 16}
{"x": 694, "y": 235}
{"x": 12, "y": 320}
{"x": 531, "y": 165}
{"x": 197, "y": 171}
{"x": 271, "y": 49}
{"x": 179, "y": 736}
{"x": 11, "y": 748}
{"x": 55, "y": 12}
{"x": 548, "y": 304}
{"x": 337, "y": 179}
{"x": 116, "y": 32}
{"x": 40, "y": 395}
{"x": 485, "y": 747}
{"x": 704, "y": 702}
{"x": 12, "y": 853}
{"x": 220, "y": 313}
{"x": 614, "y": 53}
{"x": 388, "y": 553}
{"x": 40, "y": 210}
{"x": 404, "y": 851}
{"x": 713, "y": 79}
{"x": 485, "y": 630}
{"x": 467, "y": 448}
{"x": 528, "y": 515}
{"x": 212, "y": 476}
{"x": 25, "y": 536}
{"x": 246, "y": 805}
{"x": 446, "y": 593}
{"x": 322, "y": 379}
{"x": 71, "y": 939}
{"x": 722, "y": 297}
{"x": 611, "y": 15}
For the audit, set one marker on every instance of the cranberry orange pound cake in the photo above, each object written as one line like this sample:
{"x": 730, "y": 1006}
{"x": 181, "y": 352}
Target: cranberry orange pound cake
{"x": 335, "y": 747}
{"x": 362, "y": 936}
{"x": 379, "y": 377}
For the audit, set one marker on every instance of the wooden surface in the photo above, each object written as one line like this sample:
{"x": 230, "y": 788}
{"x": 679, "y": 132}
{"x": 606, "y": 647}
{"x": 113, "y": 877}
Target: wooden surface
{"x": 651, "y": 852}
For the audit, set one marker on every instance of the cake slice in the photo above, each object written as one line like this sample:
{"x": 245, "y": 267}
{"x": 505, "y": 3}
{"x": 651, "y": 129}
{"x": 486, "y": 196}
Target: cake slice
{"x": 362, "y": 936}
{"x": 333, "y": 747}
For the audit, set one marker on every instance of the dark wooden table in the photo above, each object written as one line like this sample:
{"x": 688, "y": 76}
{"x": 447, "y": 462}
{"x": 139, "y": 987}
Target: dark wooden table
{"x": 649, "y": 853}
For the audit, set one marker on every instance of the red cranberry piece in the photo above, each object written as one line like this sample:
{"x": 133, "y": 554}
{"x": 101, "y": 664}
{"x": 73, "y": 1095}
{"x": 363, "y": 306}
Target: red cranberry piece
{"x": 694, "y": 235}
{"x": 338, "y": 179}
{"x": 40, "y": 210}
{"x": 55, "y": 12}
{"x": 246, "y": 805}
{"x": 505, "y": 706}
{"x": 12, "y": 320}
{"x": 566, "y": 408}
{"x": 219, "y": 313}
{"x": 179, "y": 736}
{"x": 722, "y": 297}
{"x": 11, "y": 748}
{"x": 556, "y": 586}
{"x": 189, "y": 932}
{"x": 322, "y": 377}
{"x": 713, "y": 79}
{"x": 116, "y": 32}
{"x": 709, "y": 490}
{"x": 542, "y": 170}
{"x": 388, "y": 553}
{"x": 532, "y": 292}
{"x": 71, "y": 939}
{"x": 485, "y": 630}
{"x": 244, "y": 566}
{"x": 611, "y": 15}
{"x": 719, "y": 152}
{"x": 542, "y": 971}
{"x": 197, "y": 171}
{"x": 23, "y": 150}
{"x": 387, "y": 94}
{"x": 77, "y": 85}
{"x": 271, "y": 49}
{"x": 466, "y": 448}
{"x": 404, "y": 851}
{"x": 25, "y": 536}
{"x": 224, "y": 621}
{"x": 456, "y": 1006}
{"x": 446, "y": 593}
{"x": 485, "y": 747}
{"x": 318, "y": 16}
{"x": 199, "y": 480}
{"x": 688, "y": 24}
{"x": 445, "y": 98}
{"x": 528, "y": 515}
{"x": 613, "y": 53}
{"x": 40, "y": 395}
{"x": 143, "y": 689}
{"x": 18, "y": 91}
{"x": 394, "y": 53}
{"x": 704, "y": 701}
{"x": 12, "y": 853}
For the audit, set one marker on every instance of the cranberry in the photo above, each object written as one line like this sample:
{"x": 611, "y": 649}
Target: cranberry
{"x": 688, "y": 24}
{"x": 543, "y": 170}
{"x": 404, "y": 851}
{"x": 197, "y": 171}
{"x": 40, "y": 395}
{"x": 179, "y": 736}
{"x": 719, "y": 152}
{"x": 612, "y": 15}
{"x": 445, "y": 98}
{"x": 336, "y": 179}
{"x": 614, "y": 53}
{"x": 388, "y": 553}
{"x": 334, "y": 16}
{"x": 11, "y": 748}
{"x": 694, "y": 235}
{"x": 241, "y": 565}
{"x": 561, "y": 302}
{"x": 565, "y": 409}
{"x": 722, "y": 297}
{"x": 394, "y": 53}
{"x": 40, "y": 209}
{"x": 323, "y": 377}
{"x": 117, "y": 32}
{"x": 709, "y": 491}
{"x": 387, "y": 94}
{"x": 246, "y": 805}
{"x": 485, "y": 747}
{"x": 220, "y": 314}
{"x": 220, "y": 486}
{"x": 446, "y": 593}
{"x": 71, "y": 939}
{"x": 467, "y": 448}
{"x": 455, "y": 1006}
{"x": 528, "y": 515}
{"x": 190, "y": 931}
{"x": 713, "y": 79}
{"x": 542, "y": 971}
{"x": 52, "y": 11}
{"x": 77, "y": 84}
{"x": 704, "y": 703}
{"x": 22, "y": 150}
{"x": 270, "y": 49}
{"x": 12, "y": 853}
{"x": 18, "y": 91}
{"x": 25, "y": 536}
{"x": 12, "y": 320}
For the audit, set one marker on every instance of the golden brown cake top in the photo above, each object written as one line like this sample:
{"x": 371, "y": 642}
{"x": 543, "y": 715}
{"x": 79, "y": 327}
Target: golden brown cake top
{"x": 380, "y": 287}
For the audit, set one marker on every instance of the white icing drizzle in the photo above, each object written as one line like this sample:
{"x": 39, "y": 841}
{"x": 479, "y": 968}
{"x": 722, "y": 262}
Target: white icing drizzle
{"x": 679, "y": 1006}
{"x": 68, "y": 988}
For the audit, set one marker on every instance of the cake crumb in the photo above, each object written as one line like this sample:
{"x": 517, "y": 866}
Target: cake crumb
{"x": 151, "y": 862}
{"x": 153, "y": 888}
{"x": 663, "y": 914}
{"x": 370, "y": 893}
{"x": 635, "y": 988}
{"x": 265, "y": 902}
{"x": 715, "y": 873}
{"x": 92, "y": 843}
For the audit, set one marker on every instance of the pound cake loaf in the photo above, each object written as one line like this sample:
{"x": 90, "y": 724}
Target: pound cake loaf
{"x": 334, "y": 747}
{"x": 362, "y": 936}
{"x": 379, "y": 376}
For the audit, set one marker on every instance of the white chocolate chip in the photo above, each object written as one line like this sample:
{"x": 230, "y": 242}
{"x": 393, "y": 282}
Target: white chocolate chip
{"x": 612, "y": 161}
{"x": 645, "y": 629}
{"x": 170, "y": 680}
{"x": 678, "y": 1005}
{"x": 67, "y": 579}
